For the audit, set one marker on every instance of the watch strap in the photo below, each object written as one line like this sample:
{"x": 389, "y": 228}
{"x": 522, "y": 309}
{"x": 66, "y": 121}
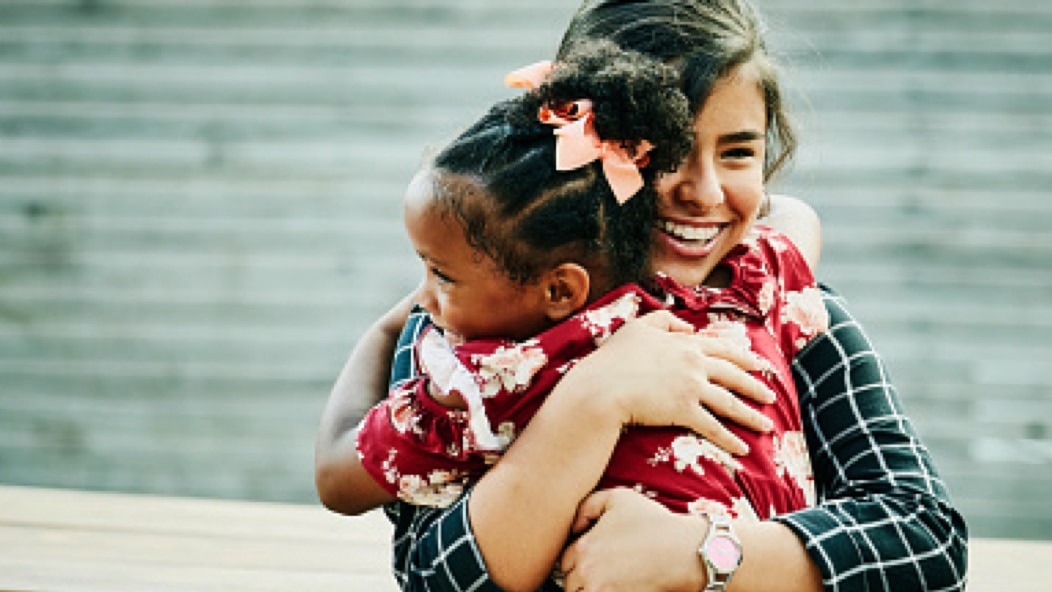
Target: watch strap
{"x": 721, "y": 553}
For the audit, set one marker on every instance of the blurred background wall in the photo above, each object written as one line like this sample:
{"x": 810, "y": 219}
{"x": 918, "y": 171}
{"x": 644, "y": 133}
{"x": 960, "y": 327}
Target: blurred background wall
{"x": 200, "y": 213}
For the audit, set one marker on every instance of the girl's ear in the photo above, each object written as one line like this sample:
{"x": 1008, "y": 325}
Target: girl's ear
{"x": 566, "y": 290}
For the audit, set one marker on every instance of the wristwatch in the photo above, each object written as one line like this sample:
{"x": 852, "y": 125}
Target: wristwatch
{"x": 721, "y": 552}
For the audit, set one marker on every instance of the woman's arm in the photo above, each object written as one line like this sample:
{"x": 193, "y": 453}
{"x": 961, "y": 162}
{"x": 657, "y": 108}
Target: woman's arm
{"x": 633, "y": 543}
{"x": 884, "y": 522}
{"x": 489, "y": 540}
{"x": 559, "y": 459}
{"x": 338, "y": 475}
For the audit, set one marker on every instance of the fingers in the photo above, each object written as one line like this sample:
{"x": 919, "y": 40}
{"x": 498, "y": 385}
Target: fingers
{"x": 732, "y": 348}
{"x": 725, "y": 347}
{"x": 734, "y": 379}
{"x": 590, "y": 509}
{"x": 717, "y": 404}
{"x": 610, "y": 554}
{"x": 727, "y": 365}
{"x": 707, "y": 426}
{"x": 570, "y": 578}
{"x": 588, "y": 513}
{"x": 720, "y": 397}
{"x": 666, "y": 321}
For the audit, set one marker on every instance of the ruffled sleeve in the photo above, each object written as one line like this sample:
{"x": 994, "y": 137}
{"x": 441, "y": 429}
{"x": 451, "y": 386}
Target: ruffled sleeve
{"x": 413, "y": 447}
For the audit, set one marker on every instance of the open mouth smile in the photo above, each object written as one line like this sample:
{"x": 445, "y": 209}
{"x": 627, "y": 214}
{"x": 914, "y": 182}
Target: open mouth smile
{"x": 685, "y": 232}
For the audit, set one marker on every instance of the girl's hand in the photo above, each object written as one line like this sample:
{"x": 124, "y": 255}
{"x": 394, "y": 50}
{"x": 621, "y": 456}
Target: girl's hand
{"x": 633, "y": 543}
{"x": 655, "y": 371}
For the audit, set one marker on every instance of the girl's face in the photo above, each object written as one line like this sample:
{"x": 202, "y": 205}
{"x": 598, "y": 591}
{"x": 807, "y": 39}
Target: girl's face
{"x": 706, "y": 207}
{"x": 467, "y": 295}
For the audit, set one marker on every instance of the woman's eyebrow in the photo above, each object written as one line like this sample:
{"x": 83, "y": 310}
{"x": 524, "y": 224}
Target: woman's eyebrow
{"x": 742, "y": 136}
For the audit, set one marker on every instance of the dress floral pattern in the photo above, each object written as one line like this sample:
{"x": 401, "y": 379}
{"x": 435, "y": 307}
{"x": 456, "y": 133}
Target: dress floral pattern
{"x": 427, "y": 454}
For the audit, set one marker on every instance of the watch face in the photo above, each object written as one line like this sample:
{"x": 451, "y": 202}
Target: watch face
{"x": 723, "y": 553}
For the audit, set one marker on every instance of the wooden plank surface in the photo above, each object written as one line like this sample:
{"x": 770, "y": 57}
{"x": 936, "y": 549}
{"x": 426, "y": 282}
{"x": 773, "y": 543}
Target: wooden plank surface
{"x": 76, "y": 541}
{"x": 65, "y": 540}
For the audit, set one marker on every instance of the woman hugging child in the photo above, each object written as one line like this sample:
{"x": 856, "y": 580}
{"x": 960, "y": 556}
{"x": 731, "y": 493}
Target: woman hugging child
{"x": 535, "y": 226}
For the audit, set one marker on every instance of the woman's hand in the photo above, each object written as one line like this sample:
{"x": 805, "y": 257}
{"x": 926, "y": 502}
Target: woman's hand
{"x": 633, "y": 543}
{"x": 656, "y": 371}
{"x": 653, "y": 371}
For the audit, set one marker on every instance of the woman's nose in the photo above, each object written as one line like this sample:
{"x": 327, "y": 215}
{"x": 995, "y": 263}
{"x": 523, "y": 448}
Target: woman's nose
{"x": 698, "y": 187}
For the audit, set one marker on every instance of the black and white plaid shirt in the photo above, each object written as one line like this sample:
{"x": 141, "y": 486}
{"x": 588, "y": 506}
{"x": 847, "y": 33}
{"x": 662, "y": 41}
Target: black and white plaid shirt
{"x": 884, "y": 521}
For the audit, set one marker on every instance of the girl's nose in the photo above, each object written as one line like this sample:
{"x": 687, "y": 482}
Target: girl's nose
{"x": 423, "y": 296}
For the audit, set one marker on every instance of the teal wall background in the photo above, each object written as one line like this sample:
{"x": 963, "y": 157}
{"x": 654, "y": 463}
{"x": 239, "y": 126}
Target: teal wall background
{"x": 200, "y": 213}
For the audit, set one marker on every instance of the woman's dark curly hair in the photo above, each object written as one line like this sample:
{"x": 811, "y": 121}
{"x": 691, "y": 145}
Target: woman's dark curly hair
{"x": 498, "y": 178}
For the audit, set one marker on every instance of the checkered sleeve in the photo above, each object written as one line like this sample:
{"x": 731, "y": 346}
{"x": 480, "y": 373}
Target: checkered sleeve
{"x": 403, "y": 363}
{"x": 435, "y": 551}
{"x": 884, "y": 519}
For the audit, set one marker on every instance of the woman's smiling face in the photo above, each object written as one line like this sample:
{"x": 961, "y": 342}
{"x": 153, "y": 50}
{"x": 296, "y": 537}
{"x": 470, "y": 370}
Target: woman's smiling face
{"x": 708, "y": 205}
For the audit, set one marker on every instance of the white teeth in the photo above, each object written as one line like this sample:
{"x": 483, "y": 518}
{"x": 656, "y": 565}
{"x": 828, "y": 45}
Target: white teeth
{"x": 691, "y": 233}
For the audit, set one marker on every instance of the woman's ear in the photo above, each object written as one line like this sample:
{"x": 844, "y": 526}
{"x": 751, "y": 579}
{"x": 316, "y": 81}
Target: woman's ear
{"x": 566, "y": 290}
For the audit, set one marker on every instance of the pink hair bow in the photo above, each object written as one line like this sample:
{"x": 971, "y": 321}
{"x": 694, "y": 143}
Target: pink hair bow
{"x": 529, "y": 77}
{"x": 578, "y": 144}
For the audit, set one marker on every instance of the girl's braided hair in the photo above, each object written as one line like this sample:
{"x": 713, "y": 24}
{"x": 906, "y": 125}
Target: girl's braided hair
{"x": 499, "y": 180}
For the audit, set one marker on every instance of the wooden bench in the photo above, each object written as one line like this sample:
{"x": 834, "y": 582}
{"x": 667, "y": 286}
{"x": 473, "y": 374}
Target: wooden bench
{"x": 75, "y": 541}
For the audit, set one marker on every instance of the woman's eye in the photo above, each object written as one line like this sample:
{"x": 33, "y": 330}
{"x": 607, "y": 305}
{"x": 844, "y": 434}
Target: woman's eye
{"x": 738, "y": 153}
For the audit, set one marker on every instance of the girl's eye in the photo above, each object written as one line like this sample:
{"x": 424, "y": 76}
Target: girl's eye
{"x": 441, "y": 277}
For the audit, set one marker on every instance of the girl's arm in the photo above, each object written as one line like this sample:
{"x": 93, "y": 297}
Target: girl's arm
{"x": 338, "y": 475}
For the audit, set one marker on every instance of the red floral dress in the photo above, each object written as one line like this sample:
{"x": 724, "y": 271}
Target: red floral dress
{"x": 426, "y": 453}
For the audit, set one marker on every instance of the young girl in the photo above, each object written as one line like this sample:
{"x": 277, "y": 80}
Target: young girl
{"x": 515, "y": 248}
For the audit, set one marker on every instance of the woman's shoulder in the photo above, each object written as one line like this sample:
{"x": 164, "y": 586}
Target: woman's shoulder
{"x": 799, "y": 222}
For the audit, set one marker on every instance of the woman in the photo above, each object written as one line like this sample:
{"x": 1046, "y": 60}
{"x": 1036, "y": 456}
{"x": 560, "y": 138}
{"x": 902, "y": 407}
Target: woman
{"x": 884, "y": 520}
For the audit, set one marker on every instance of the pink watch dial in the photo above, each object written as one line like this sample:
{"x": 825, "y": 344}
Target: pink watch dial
{"x": 723, "y": 553}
